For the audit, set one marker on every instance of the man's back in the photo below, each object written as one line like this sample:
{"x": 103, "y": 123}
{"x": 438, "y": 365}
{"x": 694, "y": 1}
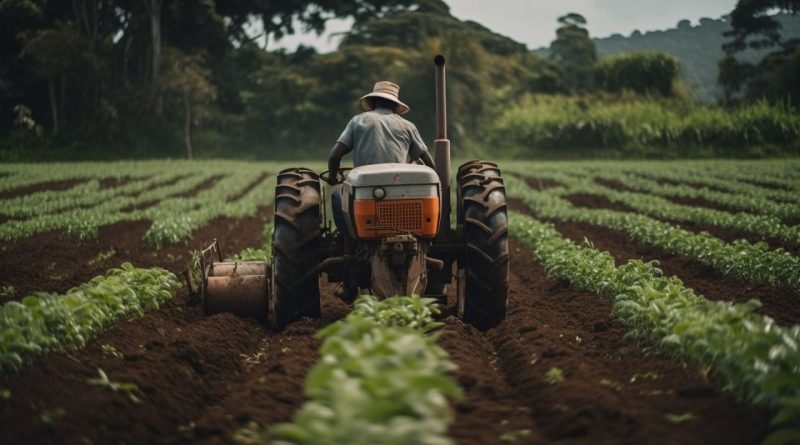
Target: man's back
{"x": 381, "y": 136}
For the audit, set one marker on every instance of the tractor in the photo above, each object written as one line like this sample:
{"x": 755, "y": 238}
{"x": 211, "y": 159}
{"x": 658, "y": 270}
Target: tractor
{"x": 399, "y": 240}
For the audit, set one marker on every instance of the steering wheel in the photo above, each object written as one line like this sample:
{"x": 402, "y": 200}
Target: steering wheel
{"x": 340, "y": 175}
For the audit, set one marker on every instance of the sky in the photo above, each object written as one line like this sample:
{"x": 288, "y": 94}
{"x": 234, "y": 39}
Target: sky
{"x": 533, "y": 22}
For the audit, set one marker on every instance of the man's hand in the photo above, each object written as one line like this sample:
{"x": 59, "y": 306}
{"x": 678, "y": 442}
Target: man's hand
{"x": 333, "y": 177}
{"x": 334, "y": 159}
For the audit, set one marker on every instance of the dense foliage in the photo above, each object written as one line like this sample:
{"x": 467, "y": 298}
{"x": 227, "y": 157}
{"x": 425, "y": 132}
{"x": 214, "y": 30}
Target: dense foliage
{"x": 627, "y": 126}
{"x": 112, "y": 79}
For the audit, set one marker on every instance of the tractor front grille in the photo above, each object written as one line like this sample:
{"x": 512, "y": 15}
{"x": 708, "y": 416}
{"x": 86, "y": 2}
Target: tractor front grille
{"x": 404, "y": 214}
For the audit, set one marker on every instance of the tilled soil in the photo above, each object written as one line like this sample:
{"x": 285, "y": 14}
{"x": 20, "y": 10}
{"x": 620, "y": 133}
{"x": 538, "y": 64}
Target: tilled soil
{"x": 200, "y": 379}
{"x": 780, "y": 304}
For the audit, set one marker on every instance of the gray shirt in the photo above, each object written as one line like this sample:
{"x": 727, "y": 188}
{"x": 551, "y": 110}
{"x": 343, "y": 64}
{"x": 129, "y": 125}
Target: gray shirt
{"x": 381, "y": 136}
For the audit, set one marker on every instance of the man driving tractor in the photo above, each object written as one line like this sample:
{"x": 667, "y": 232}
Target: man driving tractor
{"x": 379, "y": 135}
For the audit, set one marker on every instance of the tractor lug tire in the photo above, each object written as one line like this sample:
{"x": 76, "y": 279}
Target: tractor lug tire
{"x": 295, "y": 248}
{"x": 483, "y": 215}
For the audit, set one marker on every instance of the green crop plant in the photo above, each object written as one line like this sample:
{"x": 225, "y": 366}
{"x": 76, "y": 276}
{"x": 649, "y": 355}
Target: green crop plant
{"x": 661, "y": 208}
{"x": 753, "y": 263}
{"x": 754, "y": 358}
{"x": 381, "y": 380}
{"x": 43, "y": 323}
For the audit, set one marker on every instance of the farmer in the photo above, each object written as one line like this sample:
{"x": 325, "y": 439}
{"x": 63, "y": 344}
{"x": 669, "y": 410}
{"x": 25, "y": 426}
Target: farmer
{"x": 379, "y": 135}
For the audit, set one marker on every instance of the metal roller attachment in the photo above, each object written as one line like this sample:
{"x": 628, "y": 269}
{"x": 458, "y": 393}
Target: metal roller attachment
{"x": 239, "y": 288}
{"x": 238, "y": 268}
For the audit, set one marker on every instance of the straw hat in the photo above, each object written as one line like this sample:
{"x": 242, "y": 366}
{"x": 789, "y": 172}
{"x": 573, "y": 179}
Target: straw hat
{"x": 386, "y": 90}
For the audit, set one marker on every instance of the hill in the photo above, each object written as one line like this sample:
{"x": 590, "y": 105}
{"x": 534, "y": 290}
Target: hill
{"x": 698, "y": 47}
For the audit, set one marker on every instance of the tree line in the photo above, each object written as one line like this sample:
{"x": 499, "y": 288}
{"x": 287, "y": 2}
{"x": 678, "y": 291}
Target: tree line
{"x": 180, "y": 78}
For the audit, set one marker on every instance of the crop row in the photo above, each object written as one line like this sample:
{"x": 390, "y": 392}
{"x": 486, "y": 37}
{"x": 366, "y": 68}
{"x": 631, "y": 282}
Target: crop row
{"x": 175, "y": 219}
{"x": 381, "y": 380}
{"x": 736, "y": 200}
{"x": 43, "y": 323}
{"x": 84, "y": 222}
{"x": 86, "y": 195}
{"x": 756, "y": 359}
{"x": 22, "y": 175}
{"x": 726, "y": 184}
{"x": 664, "y": 209}
{"x": 752, "y": 263}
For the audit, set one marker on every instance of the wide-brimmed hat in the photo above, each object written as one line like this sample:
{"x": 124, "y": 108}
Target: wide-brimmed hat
{"x": 386, "y": 90}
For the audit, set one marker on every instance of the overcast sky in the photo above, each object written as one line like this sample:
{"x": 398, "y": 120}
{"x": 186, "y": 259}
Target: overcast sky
{"x": 533, "y": 22}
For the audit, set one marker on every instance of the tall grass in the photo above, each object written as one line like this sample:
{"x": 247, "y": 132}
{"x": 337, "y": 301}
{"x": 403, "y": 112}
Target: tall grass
{"x": 635, "y": 126}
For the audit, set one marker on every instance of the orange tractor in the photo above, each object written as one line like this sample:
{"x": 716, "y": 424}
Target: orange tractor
{"x": 399, "y": 240}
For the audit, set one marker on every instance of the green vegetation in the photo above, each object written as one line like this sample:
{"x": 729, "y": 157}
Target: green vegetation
{"x": 753, "y": 263}
{"x": 559, "y": 126}
{"x": 46, "y": 322}
{"x": 381, "y": 380}
{"x": 664, "y": 209}
{"x": 86, "y": 84}
{"x": 757, "y": 360}
{"x": 697, "y": 46}
{"x": 171, "y": 201}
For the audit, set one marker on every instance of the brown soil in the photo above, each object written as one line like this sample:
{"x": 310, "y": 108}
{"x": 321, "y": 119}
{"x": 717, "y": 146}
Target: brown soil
{"x": 596, "y": 202}
{"x": 205, "y": 185}
{"x": 780, "y": 304}
{"x": 249, "y": 187}
{"x": 41, "y": 186}
{"x": 765, "y": 184}
{"x": 539, "y": 183}
{"x": 119, "y": 181}
{"x": 201, "y": 379}
{"x": 727, "y": 235}
{"x": 56, "y": 263}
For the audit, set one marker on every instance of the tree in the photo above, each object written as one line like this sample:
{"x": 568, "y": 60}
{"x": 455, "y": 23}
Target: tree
{"x": 754, "y": 24}
{"x": 56, "y": 51}
{"x": 777, "y": 76}
{"x": 574, "y": 52}
{"x": 153, "y": 8}
{"x": 187, "y": 76}
{"x": 643, "y": 73}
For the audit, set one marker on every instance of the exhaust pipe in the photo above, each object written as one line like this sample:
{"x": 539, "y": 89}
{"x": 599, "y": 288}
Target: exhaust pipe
{"x": 441, "y": 148}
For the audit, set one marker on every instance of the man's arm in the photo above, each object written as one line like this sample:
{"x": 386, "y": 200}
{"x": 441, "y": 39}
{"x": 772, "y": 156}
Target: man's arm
{"x": 334, "y": 159}
{"x": 426, "y": 159}
{"x": 418, "y": 151}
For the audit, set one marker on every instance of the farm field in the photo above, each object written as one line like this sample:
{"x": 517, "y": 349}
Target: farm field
{"x": 601, "y": 345}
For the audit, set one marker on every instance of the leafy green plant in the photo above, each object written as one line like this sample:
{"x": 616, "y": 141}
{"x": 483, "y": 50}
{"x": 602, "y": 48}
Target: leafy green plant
{"x": 46, "y": 322}
{"x": 756, "y": 359}
{"x": 381, "y": 380}
{"x": 754, "y": 263}
{"x": 554, "y": 375}
{"x": 129, "y": 389}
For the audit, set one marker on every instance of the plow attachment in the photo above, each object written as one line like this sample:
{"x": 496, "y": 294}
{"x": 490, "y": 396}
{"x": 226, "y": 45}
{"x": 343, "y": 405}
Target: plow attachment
{"x": 238, "y": 287}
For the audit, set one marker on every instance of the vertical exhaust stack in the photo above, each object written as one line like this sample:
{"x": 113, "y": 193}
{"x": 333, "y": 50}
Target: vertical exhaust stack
{"x": 441, "y": 148}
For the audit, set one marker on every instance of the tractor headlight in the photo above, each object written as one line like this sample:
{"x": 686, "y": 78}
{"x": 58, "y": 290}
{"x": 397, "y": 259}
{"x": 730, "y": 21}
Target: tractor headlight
{"x": 379, "y": 193}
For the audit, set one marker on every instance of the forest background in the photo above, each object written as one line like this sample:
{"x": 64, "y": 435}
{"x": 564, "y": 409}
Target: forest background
{"x": 124, "y": 79}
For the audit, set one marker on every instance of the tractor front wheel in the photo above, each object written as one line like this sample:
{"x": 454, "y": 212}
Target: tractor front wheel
{"x": 482, "y": 213}
{"x": 295, "y": 248}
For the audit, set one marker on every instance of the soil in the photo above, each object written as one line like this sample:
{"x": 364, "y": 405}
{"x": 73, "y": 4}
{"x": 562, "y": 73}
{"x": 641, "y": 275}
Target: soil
{"x": 780, "y": 304}
{"x": 42, "y": 186}
{"x": 55, "y": 263}
{"x": 725, "y": 234}
{"x": 202, "y": 378}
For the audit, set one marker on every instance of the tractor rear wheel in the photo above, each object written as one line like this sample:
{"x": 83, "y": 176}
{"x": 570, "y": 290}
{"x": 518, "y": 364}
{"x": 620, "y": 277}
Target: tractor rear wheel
{"x": 483, "y": 283}
{"x": 295, "y": 248}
